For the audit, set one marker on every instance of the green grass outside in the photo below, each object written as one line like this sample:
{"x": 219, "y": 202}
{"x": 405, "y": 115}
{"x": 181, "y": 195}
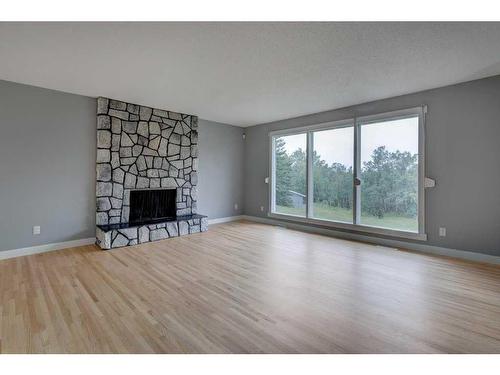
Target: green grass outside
{"x": 326, "y": 212}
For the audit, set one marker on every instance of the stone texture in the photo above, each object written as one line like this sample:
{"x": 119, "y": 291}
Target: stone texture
{"x": 194, "y": 151}
{"x": 115, "y": 202}
{"x": 159, "y": 234}
{"x": 115, "y": 104}
{"x": 133, "y": 108}
{"x": 154, "y": 183}
{"x": 183, "y": 228}
{"x": 172, "y": 229}
{"x": 102, "y": 105}
{"x": 119, "y": 114}
{"x": 115, "y": 212}
{"x": 185, "y": 152}
{"x": 118, "y": 176}
{"x": 143, "y": 234}
{"x": 120, "y": 240}
{"x": 154, "y": 128}
{"x": 160, "y": 113}
{"x": 104, "y": 189}
{"x": 126, "y": 141}
{"x": 116, "y": 125}
{"x": 129, "y": 126}
{"x": 115, "y": 160}
{"x": 154, "y": 143}
{"x": 204, "y": 224}
{"x": 118, "y": 191}
{"x": 143, "y": 129}
{"x": 125, "y": 152}
{"x": 102, "y": 218}
{"x": 145, "y": 113}
{"x": 103, "y": 122}
{"x": 103, "y": 239}
{"x": 125, "y": 214}
{"x": 103, "y": 155}
{"x": 103, "y": 139}
{"x": 103, "y": 204}
{"x": 173, "y": 149}
{"x": 115, "y": 142}
{"x": 142, "y": 183}
{"x": 130, "y": 233}
{"x": 174, "y": 116}
{"x": 179, "y": 129}
{"x": 194, "y": 137}
{"x": 130, "y": 181}
{"x": 143, "y": 148}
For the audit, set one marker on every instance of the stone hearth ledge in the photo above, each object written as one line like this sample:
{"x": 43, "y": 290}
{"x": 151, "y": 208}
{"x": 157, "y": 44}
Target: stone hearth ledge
{"x": 120, "y": 235}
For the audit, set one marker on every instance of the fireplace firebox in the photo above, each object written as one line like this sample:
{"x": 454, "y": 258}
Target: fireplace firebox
{"x": 151, "y": 205}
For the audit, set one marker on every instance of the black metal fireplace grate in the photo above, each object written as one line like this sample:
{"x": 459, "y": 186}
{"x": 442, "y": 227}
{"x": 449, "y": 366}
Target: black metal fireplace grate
{"x": 147, "y": 205}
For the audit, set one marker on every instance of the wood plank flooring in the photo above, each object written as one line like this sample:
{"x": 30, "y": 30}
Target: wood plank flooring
{"x": 248, "y": 288}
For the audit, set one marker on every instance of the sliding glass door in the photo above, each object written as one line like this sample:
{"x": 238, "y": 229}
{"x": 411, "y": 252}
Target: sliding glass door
{"x": 332, "y": 174}
{"x": 291, "y": 176}
{"x": 389, "y": 174}
{"x": 365, "y": 172}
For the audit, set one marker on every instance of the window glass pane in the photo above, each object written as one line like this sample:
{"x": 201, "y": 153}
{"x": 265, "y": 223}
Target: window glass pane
{"x": 332, "y": 174}
{"x": 389, "y": 174}
{"x": 290, "y": 174}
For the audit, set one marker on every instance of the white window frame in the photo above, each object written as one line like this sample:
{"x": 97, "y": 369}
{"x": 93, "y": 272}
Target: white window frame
{"x": 356, "y": 122}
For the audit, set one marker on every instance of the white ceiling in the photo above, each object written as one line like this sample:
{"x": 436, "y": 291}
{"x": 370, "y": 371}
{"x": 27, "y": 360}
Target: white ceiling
{"x": 247, "y": 73}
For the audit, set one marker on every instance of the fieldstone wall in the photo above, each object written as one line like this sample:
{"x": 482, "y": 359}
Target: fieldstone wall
{"x": 143, "y": 148}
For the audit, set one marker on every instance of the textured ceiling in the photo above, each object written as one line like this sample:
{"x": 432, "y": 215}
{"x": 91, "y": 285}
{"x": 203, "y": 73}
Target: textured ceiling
{"x": 247, "y": 73}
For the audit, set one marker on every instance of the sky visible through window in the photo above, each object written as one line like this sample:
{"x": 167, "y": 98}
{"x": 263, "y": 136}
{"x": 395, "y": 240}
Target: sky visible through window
{"x": 337, "y": 147}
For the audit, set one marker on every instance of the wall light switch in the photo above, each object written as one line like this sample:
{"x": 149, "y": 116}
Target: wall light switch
{"x": 442, "y": 232}
{"x": 36, "y": 230}
{"x": 262, "y": 208}
{"x": 266, "y": 180}
{"x": 236, "y": 206}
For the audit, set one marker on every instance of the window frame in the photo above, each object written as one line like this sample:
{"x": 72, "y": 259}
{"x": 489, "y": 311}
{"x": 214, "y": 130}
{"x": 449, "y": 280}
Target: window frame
{"x": 356, "y": 122}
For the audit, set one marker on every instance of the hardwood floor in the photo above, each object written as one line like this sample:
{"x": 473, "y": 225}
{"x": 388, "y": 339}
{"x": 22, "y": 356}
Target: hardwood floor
{"x": 248, "y": 288}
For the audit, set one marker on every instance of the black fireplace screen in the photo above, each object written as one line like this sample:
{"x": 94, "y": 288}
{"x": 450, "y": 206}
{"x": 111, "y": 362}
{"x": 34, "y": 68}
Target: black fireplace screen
{"x": 146, "y": 205}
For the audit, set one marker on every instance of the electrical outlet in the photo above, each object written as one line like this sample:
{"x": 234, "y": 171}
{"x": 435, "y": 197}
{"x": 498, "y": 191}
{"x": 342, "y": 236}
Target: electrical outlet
{"x": 36, "y": 230}
{"x": 262, "y": 208}
{"x": 442, "y": 232}
{"x": 236, "y": 206}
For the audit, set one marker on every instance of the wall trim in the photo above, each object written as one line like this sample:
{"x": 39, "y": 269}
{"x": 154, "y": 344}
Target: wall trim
{"x": 45, "y": 248}
{"x": 423, "y": 248}
{"x": 226, "y": 219}
{"x": 436, "y": 250}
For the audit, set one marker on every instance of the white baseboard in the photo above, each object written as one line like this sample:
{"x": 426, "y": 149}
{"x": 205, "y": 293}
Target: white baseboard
{"x": 436, "y": 250}
{"x": 454, "y": 253}
{"x": 225, "y": 219}
{"x": 45, "y": 248}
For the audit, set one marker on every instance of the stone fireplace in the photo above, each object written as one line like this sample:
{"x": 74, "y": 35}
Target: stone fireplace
{"x": 147, "y": 162}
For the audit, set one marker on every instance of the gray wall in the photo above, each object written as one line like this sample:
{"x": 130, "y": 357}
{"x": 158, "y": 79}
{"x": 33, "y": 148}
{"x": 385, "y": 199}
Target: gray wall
{"x": 47, "y": 166}
{"x": 220, "y": 177}
{"x": 462, "y": 154}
